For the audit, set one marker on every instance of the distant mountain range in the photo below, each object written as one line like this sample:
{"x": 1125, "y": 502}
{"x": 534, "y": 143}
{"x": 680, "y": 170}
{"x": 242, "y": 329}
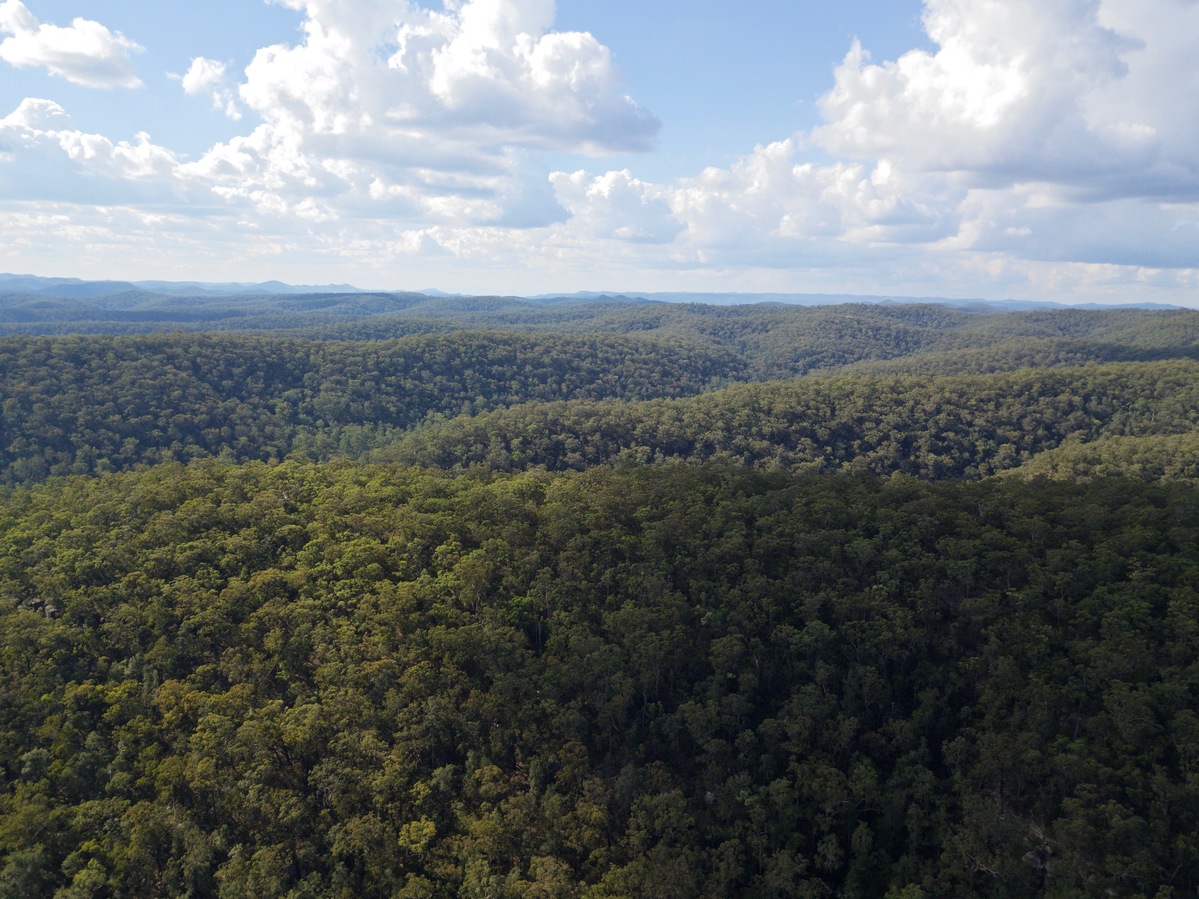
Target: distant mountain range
{"x": 836, "y": 299}
{"x": 75, "y": 288}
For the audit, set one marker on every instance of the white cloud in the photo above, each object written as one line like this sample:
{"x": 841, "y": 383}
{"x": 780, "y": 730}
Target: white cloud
{"x": 616, "y": 205}
{"x": 1034, "y": 223}
{"x": 1040, "y": 147}
{"x": 1070, "y": 92}
{"x": 773, "y": 196}
{"x": 209, "y": 76}
{"x": 1042, "y": 131}
{"x": 85, "y": 53}
{"x": 121, "y": 161}
{"x": 385, "y": 107}
{"x": 203, "y": 75}
{"x": 1070, "y": 125}
{"x": 485, "y": 71}
{"x": 34, "y": 114}
{"x": 46, "y": 158}
{"x": 490, "y": 72}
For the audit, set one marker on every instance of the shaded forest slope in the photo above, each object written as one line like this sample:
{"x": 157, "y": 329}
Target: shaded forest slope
{"x": 338, "y": 680}
{"x": 82, "y": 405}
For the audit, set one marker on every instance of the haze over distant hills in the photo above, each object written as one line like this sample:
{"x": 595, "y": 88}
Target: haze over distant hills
{"x": 137, "y": 292}
{"x": 836, "y": 299}
{"x": 76, "y": 287}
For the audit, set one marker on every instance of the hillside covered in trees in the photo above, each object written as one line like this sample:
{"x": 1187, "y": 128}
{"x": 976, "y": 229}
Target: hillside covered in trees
{"x": 317, "y": 680}
{"x": 928, "y": 390}
{"x": 599, "y": 600}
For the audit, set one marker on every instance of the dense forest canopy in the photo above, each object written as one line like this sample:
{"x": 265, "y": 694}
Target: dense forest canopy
{"x": 773, "y": 340}
{"x": 88, "y": 404}
{"x": 905, "y": 389}
{"x": 333, "y": 679}
{"x": 951, "y": 426}
{"x": 384, "y": 595}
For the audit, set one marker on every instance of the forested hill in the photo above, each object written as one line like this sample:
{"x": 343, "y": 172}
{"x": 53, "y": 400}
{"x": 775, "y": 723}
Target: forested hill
{"x": 952, "y": 426}
{"x": 89, "y": 404}
{"x": 488, "y": 598}
{"x": 772, "y": 341}
{"x": 337, "y": 680}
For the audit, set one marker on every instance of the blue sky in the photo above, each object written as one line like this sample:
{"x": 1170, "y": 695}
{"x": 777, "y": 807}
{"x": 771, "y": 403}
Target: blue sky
{"x": 1032, "y": 148}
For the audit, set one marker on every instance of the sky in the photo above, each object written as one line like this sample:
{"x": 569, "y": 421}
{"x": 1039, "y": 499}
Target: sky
{"x": 1027, "y": 149}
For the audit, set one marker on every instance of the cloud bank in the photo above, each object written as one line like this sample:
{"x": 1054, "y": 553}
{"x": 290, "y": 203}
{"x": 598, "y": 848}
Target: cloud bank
{"x": 1036, "y": 131}
{"x": 1040, "y": 147}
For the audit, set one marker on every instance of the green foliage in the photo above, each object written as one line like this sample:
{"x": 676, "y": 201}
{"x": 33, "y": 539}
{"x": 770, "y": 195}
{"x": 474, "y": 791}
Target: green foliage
{"x": 812, "y": 651}
{"x": 1169, "y": 457}
{"x": 944, "y": 427}
{"x": 88, "y": 405}
{"x": 325, "y": 680}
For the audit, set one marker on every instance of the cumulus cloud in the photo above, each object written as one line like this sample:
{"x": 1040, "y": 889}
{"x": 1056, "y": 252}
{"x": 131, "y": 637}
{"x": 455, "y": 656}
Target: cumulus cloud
{"x": 208, "y": 76}
{"x": 773, "y": 193}
{"x": 1070, "y": 92}
{"x": 617, "y": 205}
{"x": 1062, "y": 122}
{"x": 34, "y": 114}
{"x": 434, "y": 113}
{"x": 203, "y": 75}
{"x": 1044, "y": 130}
{"x": 488, "y": 71}
{"x": 1038, "y": 146}
{"x": 85, "y": 52}
{"x": 46, "y": 158}
{"x": 385, "y": 108}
